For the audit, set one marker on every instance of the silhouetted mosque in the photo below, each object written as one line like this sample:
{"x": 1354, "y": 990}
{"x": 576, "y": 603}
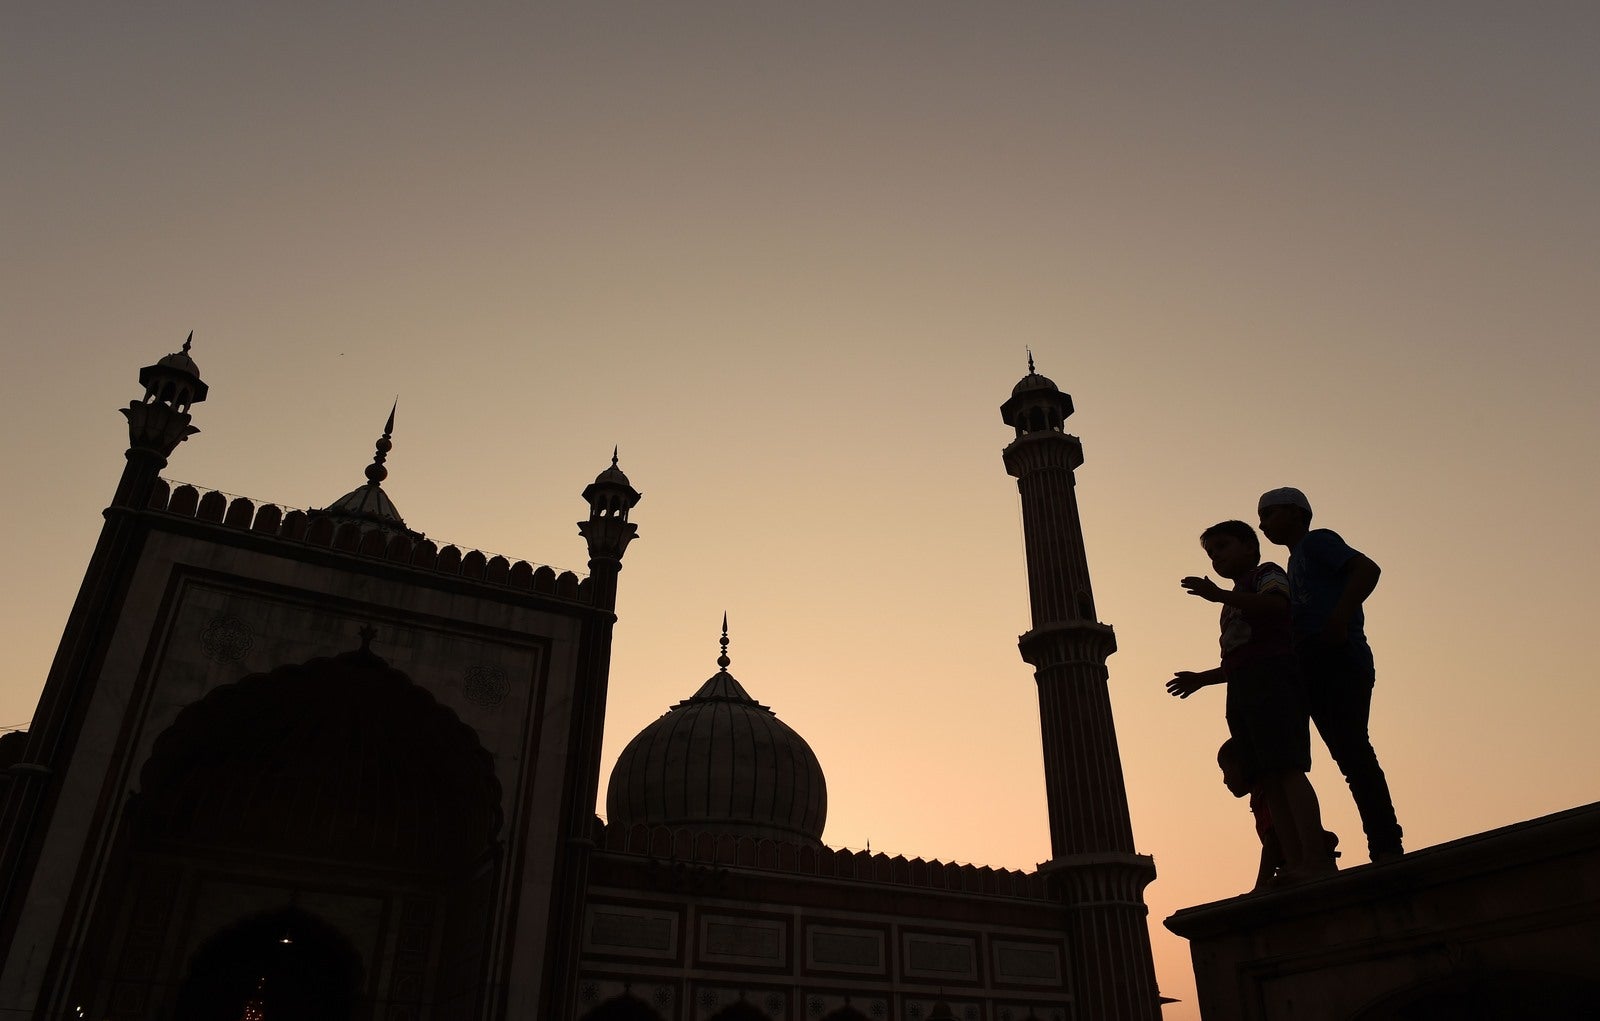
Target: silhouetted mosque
{"x": 308, "y": 764}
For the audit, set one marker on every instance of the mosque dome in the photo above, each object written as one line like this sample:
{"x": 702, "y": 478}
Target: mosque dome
{"x": 720, "y": 761}
{"x": 367, "y": 504}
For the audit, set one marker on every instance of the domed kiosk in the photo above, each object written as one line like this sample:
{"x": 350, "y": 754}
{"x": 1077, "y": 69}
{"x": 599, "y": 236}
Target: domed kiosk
{"x": 720, "y": 761}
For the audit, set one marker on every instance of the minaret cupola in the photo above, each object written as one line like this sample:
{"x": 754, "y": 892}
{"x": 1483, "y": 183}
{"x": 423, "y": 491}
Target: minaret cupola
{"x": 160, "y": 421}
{"x": 611, "y": 495}
{"x": 1036, "y": 404}
{"x": 607, "y": 530}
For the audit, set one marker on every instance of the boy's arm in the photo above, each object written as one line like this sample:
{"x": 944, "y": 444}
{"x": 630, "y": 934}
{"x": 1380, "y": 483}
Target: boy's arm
{"x": 1186, "y": 682}
{"x": 1360, "y": 578}
{"x": 1271, "y": 858}
{"x": 1272, "y": 603}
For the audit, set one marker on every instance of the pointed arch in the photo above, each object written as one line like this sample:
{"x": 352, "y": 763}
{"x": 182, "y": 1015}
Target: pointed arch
{"x": 740, "y": 1010}
{"x": 335, "y": 781}
{"x": 626, "y": 1007}
{"x": 341, "y": 757}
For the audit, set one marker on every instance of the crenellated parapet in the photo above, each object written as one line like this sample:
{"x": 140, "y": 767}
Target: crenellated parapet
{"x": 704, "y": 847}
{"x": 357, "y": 539}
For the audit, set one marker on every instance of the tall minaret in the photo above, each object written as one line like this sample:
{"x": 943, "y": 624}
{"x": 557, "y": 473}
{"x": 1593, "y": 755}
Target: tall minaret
{"x": 1093, "y": 864}
{"x": 608, "y": 532}
{"x": 157, "y": 423}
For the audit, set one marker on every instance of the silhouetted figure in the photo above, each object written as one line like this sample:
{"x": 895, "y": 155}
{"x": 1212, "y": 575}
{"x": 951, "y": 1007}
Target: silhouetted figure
{"x": 1240, "y": 779}
{"x": 1328, "y": 581}
{"x": 1266, "y": 703}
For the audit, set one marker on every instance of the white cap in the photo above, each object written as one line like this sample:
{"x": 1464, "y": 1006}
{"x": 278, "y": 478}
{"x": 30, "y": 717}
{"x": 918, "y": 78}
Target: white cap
{"x": 1288, "y": 496}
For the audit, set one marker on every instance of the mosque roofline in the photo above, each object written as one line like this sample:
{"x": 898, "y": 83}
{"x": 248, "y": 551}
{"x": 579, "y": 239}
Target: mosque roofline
{"x": 806, "y": 860}
{"x": 242, "y": 520}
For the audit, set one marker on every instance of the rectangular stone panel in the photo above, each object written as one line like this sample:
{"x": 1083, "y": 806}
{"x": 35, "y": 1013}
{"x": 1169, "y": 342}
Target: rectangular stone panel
{"x": 635, "y": 932}
{"x": 833, "y": 948}
{"x": 947, "y": 957}
{"x": 1031, "y": 963}
{"x": 733, "y": 940}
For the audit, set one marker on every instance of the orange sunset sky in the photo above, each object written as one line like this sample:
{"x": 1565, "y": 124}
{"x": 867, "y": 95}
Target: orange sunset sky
{"x": 788, "y": 256}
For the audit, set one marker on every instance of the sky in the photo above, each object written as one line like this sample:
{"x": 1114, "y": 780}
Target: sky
{"x": 788, "y": 257}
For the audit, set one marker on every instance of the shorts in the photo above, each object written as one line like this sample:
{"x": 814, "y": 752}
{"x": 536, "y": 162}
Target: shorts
{"x": 1267, "y": 714}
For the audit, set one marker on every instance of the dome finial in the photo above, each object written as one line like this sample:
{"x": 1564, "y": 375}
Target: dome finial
{"x": 188, "y": 341}
{"x": 723, "y": 660}
{"x": 1030, "y": 360}
{"x": 613, "y": 455}
{"x": 376, "y": 472}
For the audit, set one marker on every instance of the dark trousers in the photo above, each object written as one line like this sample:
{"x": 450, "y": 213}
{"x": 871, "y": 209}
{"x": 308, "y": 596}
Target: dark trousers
{"x": 1339, "y": 694}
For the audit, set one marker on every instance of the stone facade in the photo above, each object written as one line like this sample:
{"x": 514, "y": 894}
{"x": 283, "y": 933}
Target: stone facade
{"x": 1500, "y": 925}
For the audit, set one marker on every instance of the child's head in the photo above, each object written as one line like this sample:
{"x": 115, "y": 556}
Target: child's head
{"x": 1236, "y": 771}
{"x": 1233, "y": 548}
{"x": 1285, "y": 515}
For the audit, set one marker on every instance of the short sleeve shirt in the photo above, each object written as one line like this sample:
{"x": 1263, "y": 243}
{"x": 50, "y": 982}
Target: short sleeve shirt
{"x": 1251, "y": 636}
{"x": 1316, "y": 581}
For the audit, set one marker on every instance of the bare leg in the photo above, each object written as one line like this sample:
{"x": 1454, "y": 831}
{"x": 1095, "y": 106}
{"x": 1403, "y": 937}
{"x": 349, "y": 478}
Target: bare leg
{"x": 1307, "y": 815}
{"x": 1284, "y": 825}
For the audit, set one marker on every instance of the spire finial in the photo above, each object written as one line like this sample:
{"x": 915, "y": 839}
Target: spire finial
{"x": 723, "y": 660}
{"x": 613, "y": 455}
{"x": 188, "y": 341}
{"x": 1030, "y": 360}
{"x": 376, "y": 472}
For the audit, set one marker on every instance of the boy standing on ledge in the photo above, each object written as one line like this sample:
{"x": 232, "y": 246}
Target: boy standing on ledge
{"x": 1328, "y": 581}
{"x": 1266, "y": 704}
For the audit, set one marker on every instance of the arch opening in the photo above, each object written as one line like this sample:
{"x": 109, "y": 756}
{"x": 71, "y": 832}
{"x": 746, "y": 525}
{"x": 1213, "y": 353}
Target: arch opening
{"x": 333, "y": 782}
{"x": 282, "y": 965}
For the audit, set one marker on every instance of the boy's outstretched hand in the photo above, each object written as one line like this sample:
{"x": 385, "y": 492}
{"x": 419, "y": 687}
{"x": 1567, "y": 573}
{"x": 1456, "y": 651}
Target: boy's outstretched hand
{"x": 1186, "y": 682}
{"x": 1205, "y": 588}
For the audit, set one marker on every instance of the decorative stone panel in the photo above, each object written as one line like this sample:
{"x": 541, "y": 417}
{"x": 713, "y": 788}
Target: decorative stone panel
{"x": 1027, "y": 963}
{"x": 614, "y": 929}
{"x": 729, "y": 939}
{"x": 835, "y": 948}
{"x": 941, "y": 957}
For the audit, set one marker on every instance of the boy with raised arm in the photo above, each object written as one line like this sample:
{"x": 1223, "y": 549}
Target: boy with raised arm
{"x": 1266, "y": 707}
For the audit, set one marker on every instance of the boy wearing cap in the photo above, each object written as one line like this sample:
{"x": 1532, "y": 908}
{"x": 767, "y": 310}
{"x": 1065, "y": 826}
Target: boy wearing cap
{"x": 1328, "y": 581}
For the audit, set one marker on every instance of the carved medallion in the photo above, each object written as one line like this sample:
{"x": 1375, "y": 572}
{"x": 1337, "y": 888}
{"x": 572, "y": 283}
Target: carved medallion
{"x": 485, "y": 685}
{"x": 226, "y": 639}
